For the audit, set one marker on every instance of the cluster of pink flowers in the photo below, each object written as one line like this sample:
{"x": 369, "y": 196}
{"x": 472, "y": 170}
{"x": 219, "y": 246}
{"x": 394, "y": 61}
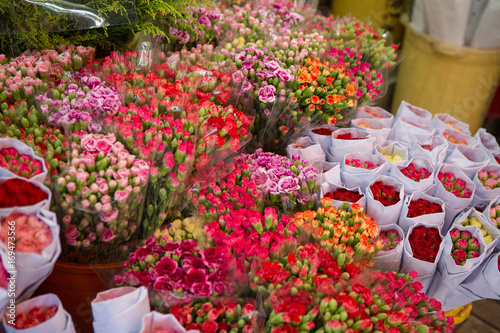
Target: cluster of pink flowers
{"x": 489, "y": 180}
{"x": 22, "y": 165}
{"x": 31, "y": 234}
{"x": 390, "y": 238}
{"x": 359, "y": 164}
{"x": 416, "y": 175}
{"x": 454, "y": 185}
{"x": 101, "y": 193}
{"x": 464, "y": 246}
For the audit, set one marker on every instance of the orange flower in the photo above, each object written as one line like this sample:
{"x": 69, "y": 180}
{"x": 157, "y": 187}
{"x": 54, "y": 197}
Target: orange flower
{"x": 309, "y": 215}
{"x": 332, "y": 120}
{"x": 315, "y": 99}
{"x": 305, "y": 77}
{"x": 350, "y": 90}
{"x": 329, "y": 80}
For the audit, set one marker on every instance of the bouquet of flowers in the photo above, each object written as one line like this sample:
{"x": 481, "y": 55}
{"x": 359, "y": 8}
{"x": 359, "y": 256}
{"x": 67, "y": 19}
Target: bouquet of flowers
{"x": 347, "y": 140}
{"x": 390, "y": 255}
{"x": 359, "y": 169}
{"x": 470, "y": 159}
{"x": 486, "y": 181}
{"x": 433, "y": 150}
{"x": 289, "y": 184}
{"x": 383, "y": 116}
{"x": 18, "y": 159}
{"x": 394, "y": 153}
{"x": 338, "y": 195}
{"x": 307, "y": 149}
{"x": 384, "y": 199}
{"x": 18, "y": 192}
{"x": 416, "y": 175}
{"x": 101, "y": 195}
{"x": 420, "y": 207}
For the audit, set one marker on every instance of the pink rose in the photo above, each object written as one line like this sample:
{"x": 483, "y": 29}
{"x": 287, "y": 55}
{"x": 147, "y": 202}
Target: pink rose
{"x": 103, "y": 146}
{"x": 88, "y": 142}
{"x": 108, "y": 236}
{"x": 118, "y": 147}
{"x": 123, "y": 173}
{"x": 44, "y": 237}
{"x": 71, "y": 234}
{"x": 121, "y": 196}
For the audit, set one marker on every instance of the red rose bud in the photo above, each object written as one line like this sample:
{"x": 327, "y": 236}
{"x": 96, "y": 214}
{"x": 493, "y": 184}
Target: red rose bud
{"x": 455, "y": 235}
{"x": 472, "y": 255}
{"x": 459, "y": 255}
{"x": 465, "y": 234}
{"x": 345, "y": 195}
{"x": 461, "y": 244}
{"x": 473, "y": 244}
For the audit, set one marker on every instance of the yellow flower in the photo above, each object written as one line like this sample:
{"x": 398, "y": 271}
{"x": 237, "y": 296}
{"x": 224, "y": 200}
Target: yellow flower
{"x": 394, "y": 158}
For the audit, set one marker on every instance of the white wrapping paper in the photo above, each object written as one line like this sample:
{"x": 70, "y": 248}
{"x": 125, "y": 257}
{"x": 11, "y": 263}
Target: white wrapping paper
{"x": 408, "y": 131}
{"x": 424, "y": 185}
{"x": 323, "y": 140}
{"x": 436, "y": 155}
{"x": 424, "y": 269}
{"x": 492, "y": 230}
{"x": 384, "y": 215}
{"x": 366, "y": 111}
{"x": 340, "y": 148}
{"x": 157, "y": 321}
{"x": 469, "y": 140}
{"x": 470, "y": 160}
{"x": 33, "y": 269}
{"x": 447, "y": 20}
{"x": 44, "y": 204}
{"x": 436, "y": 219}
{"x": 327, "y": 172}
{"x": 392, "y": 149}
{"x": 494, "y": 156}
{"x": 441, "y": 120}
{"x": 353, "y": 177}
{"x": 483, "y": 283}
{"x": 120, "y": 309}
{"x": 378, "y": 130}
{"x": 414, "y": 113}
{"x": 483, "y": 196}
{"x": 450, "y": 275}
{"x": 22, "y": 149}
{"x": 61, "y": 322}
{"x": 486, "y": 141}
{"x": 311, "y": 152}
{"x": 390, "y": 260}
{"x": 329, "y": 187}
{"x": 453, "y": 204}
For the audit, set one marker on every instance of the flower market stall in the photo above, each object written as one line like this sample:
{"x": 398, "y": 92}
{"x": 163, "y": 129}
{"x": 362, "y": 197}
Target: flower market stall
{"x": 233, "y": 174}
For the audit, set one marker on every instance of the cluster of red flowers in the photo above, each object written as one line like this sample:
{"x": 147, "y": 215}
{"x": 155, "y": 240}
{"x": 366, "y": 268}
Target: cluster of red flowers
{"x": 347, "y": 136}
{"x": 322, "y": 131}
{"x": 20, "y": 164}
{"x": 358, "y": 164}
{"x": 421, "y": 207}
{"x": 425, "y": 243}
{"x": 386, "y": 194}
{"x": 464, "y": 246}
{"x": 416, "y": 175}
{"x": 427, "y": 147}
{"x": 454, "y": 185}
{"x": 17, "y": 192}
{"x": 345, "y": 195}
{"x": 34, "y": 317}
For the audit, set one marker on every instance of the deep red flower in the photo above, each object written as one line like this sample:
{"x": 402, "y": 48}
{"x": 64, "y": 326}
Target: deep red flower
{"x": 422, "y": 207}
{"x": 385, "y": 194}
{"x": 425, "y": 243}
{"x": 18, "y": 192}
{"x": 345, "y": 195}
{"x": 322, "y": 131}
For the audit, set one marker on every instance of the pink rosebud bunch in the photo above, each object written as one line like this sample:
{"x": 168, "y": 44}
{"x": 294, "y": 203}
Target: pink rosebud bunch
{"x": 489, "y": 180}
{"x": 102, "y": 192}
{"x": 390, "y": 239}
{"x": 32, "y": 235}
{"x": 494, "y": 214}
{"x": 415, "y": 174}
{"x": 454, "y": 185}
{"x": 464, "y": 246}
{"x": 361, "y": 164}
{"x": 22, "y": 165}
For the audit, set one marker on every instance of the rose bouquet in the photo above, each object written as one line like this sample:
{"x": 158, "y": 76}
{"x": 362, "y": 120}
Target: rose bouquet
{"x": 18, "y": 159}
{"x": 101, "y": 195}
{"x": 414, "y": 113}
{"x": 323, "y": 135}
{"x": 475, "y": 222}
{"x": 421, "y": 207}
{"x": 374, "y": 127}
{"x": 408, "y": 131}
{"x": 358, "y": 164}
{"x": 339, "y": 195}
{"x": 348, "y": 140}
{"x": 464, "y": 246}
{"x": 224, "y": 315}
{"x": 359, "y": 169}
{"x": 289, "y": 184}
{"x": 422, "y": 250}
{"x": 494, "y": 214}
{"x": 348, "y": 234}
{"x": 177, "y": 268}
{"x": 384, "y": 199}
{"x": 416, "y": 175}
{"x": 34, "y": 317}
{"x": 327, "y": 172}
{"x": 390, "y": 255}
{"x": 224, "y": 188}
{"x": 33, "y": 234}
{"x": 307, "y": 149}
{"x": 442, "y": 121}
{"x": 18, "y": 192}
{"x": 486, "y": 141}
{"x": 487, "y": 185}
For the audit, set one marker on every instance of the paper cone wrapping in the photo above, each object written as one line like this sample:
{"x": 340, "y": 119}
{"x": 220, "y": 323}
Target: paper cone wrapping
{"x": 311, "y": 152}
{"x": 390, "y": 261}
{"x": 470, "y": 160}
{"x": 384, "y": 215}
{"x": 410, "y": 185}
{"x": 353, "y": 177}
{"x": 329, "y": 187}
{"x": 392, "y": 149}
{"x": 385, "y": 117}
{"x": 436, "y": 219}
{"x": 22, "y": 149}
{"x": 378, "y": 130}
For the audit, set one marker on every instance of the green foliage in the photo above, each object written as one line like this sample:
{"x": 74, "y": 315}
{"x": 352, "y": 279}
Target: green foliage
{"x": 29, "y": 25}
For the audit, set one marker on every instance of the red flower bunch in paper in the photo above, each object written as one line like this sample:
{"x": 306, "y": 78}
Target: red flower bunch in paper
{"x": 497, "y": 159}
{"x": 359, "y": 164}
{"x": 416, "y": 175}
{"x": 20, "y": 164}
{"x": 227, "y": 316}
{"x": 34, "y": 317}
{"x": 345, "y": 195}
{"x": 386, "y": 194}
{"x": 322, "y": 131}
{"x": 425, "y": 243}
{"x": 421, "y": 207}
{"x": 426, "y": 147}
{"x": 18, "y": 192}
{"x": 390, "y": 239}
{"x": 347, "y": 136}
{"x": 454, "y": 185}
{"x": 464, "y": 246}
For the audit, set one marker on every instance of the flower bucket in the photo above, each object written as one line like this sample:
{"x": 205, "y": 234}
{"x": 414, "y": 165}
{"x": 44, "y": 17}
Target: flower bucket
{"x": 77, "y": 285}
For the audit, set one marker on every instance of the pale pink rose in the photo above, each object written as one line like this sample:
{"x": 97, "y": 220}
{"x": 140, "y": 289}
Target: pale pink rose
{"x": 71, "y": 234}
{"x": 44, "y": 237}
{"x": 106, "y": 208}
{"x": 88, "y": 142}
{"x": 121, "y": 196}
{"x": 35, "y": 223}
{"x": 108, "y": 236}
{"x": 105, "y": 199}
{"x": 103, "y": 188}
{"x": 67, "y": 219}
{"x": 28, "y": 245}
{"x": 110, "y": 216}
{"x": 118, "y": 147}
